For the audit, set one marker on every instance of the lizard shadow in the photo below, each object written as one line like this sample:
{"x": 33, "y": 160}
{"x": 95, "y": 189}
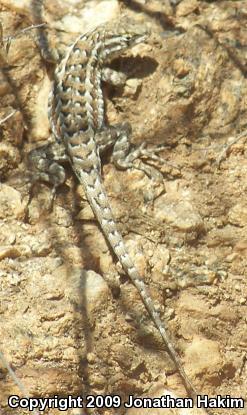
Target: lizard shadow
{"x": 136, "y": 67}
{"x": 67, "y": 198}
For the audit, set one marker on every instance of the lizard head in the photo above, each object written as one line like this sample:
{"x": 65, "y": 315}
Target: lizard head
{"x": 127, "y": 32}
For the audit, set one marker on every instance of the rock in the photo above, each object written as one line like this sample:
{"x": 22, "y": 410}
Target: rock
{"x": 86, "y": 213}
{"x": 179, "y": 213}
{"x": 13, "y": 130}
{"x": 40, "y": 124}
{"x": 187, "y": 7}
{"x": 11, "y": 204}
{"x": 203, "y": 358}
{"x": 91, "y": 15}
{"x": 228, "y": 236}
{"x": 90, "y": 286}
{"x": 9, "y": 158}
{"x": 159, "y": 260}
{"x": 132, "y": 86}
{"x": 238, "y": 214}
{"x": 192, "y": 305}
{"x": 9, "y": 252}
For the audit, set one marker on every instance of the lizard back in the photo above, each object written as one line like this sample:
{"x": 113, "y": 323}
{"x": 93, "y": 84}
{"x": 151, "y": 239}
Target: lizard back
{"x": 76, "y": 102}
{"x": 77, "y": 112}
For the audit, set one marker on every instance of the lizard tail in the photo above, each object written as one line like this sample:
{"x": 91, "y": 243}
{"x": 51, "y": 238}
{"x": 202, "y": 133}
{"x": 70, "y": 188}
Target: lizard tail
{"x": 98, "y": 200}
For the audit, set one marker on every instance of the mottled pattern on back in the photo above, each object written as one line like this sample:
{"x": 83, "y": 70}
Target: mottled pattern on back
{"x": 77, "y": 100}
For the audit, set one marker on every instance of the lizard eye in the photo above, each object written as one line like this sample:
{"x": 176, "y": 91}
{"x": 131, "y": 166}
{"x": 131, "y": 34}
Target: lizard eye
{"x": 132, "y": 39}
{"x": 128, "y": 39}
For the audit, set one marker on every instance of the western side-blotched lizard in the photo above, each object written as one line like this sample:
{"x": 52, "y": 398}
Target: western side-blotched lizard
{"x": 77, "y": 117}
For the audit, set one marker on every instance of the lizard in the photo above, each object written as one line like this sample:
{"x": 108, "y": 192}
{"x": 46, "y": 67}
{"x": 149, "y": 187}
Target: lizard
{"x": 76, "y": 113}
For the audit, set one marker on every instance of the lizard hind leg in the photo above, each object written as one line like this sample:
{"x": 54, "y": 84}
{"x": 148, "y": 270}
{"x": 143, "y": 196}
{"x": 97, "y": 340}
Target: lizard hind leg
{"x": 44, "y": 165}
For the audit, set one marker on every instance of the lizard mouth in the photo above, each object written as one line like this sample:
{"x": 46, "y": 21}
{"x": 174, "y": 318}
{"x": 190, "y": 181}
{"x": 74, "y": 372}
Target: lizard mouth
{"x": 142, "y": 38}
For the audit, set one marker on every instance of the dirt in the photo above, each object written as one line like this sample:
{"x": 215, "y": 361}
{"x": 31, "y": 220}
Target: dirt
{"x": 71, "y": 322}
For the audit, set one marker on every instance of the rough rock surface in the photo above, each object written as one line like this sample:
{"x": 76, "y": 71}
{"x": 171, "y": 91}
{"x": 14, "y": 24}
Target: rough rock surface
{"x": 71, "y": 323}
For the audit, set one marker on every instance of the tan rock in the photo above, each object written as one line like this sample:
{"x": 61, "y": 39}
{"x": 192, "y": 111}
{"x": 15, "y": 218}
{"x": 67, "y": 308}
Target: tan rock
{"x": 203, "y": 357}
{"x": 238, "y": 214}
{"x": 9, "y": 252}
{"x": 93, "y": 287}
{"x": 180, "y": 213}
{"x": 11, "y": 204}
